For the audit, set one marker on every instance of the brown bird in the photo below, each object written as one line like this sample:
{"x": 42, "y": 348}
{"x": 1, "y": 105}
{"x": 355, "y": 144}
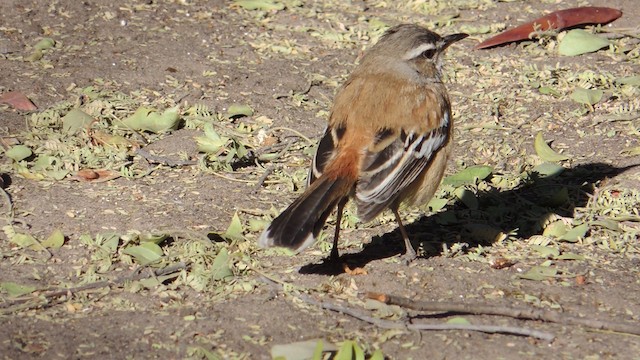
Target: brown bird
{"x": 386, "y": 143}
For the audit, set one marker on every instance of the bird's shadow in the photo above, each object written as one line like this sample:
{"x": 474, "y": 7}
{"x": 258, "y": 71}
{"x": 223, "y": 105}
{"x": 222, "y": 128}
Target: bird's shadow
{"x": 521, "y": 211}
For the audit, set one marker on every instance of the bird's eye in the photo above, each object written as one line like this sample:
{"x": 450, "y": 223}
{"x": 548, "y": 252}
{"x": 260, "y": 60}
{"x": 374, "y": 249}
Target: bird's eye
{"x": 429, "y": 54}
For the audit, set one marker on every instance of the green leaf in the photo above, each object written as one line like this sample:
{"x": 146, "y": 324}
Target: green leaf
{"x": 628, "y": 80}
{"x": 317, "y": 351}
{"x": 546, "y": 90}
{"x": 220, "y": 267}
{"x": 24, "y": 241}
{"x": 358, "y": 352}
{"x": 15, "y": 290}
{"x": 19, "y": 153}
{"x": 556, "y": 229}
{"x": 145, "y": 253}
{"x": 237, "y": 110}
{"x": 548, "y": 169}
{"x": 544, "y": 151}
{"x": 55, "y": 240}
{"x": 211, "y": 142}
{"x": 146, "y": 119}
{"x": 578, "y": 42}
{"x": 346, "y": 351}
{"x": 539, "y": 273}
{"x": 57, "y": 174}
{"x": 153, "y": 238}
{"x": 632, "y": 151}
{"x": 467, "y": 197}
{"x": 468, "y": 176}
{"x": 264, "y": 5}
{"x": 75, "y": 120}
{"x": 235, "y": 230}
{"x": 588, "y": 97}
{"x": 576, "y": 233}
{"x": 301, "y": 350}
{"x": 436, "y": 204}
{"x": 377, "y": 355}
{"x": 546, "y": 251}
{"x": 607, "y": 224}
{"x": 44, "y": 44}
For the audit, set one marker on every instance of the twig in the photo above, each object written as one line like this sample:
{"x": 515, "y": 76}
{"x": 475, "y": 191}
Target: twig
{"x": 156, "y": 159}
{"x": 517, "y": 313}
{"x": 48, "y": 295}
{"x": 385, "y": 324}
{"x": 305, "y": 91}
{"x": 389, "y": 324}
{"x": 295, "y": 132}
{"x": 492, "y": 329}
{"x": 262, "y": 179}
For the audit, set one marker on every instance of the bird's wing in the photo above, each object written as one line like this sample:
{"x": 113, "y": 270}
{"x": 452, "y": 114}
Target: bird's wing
{"x": 386, "y": 173}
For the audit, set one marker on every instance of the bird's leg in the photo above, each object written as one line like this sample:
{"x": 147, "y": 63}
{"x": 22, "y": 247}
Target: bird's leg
{"x": 410, "y": 253}
{"x": 335, "y": 256}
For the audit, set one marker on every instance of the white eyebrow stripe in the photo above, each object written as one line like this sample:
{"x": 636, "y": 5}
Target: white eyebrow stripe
{"x": 417, "y": 51}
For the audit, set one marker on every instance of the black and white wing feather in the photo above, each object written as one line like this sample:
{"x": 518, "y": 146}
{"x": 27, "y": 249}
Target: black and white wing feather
{"x": 388, "y": 172}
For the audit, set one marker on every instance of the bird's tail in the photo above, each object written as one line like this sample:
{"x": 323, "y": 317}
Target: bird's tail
{"x": 298, "y": 226}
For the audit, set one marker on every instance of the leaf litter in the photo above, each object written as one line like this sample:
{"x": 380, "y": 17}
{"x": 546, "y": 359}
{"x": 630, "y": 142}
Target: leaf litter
{"x": 520, "y": 196}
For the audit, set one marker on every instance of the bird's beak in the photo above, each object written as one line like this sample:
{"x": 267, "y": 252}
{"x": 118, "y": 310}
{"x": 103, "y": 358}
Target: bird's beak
{"x": 450, "y": 39}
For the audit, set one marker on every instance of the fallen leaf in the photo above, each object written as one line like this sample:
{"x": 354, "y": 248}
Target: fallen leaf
{"x": 548, "y": 169}
{"x": 354, "y": 271}
{"x": 468, "y": 176}
{"x": 576, "y": 233}
{"x": 578, "y": 42}
{"x": 15, "y": 290}
{"x": 18, "y": 153}
{"x": 220, "y": 267}
{"x": 264, "y": 5}
{"x": 302, "y": 350}
{"x": 558, "y": 20}
{"x": 55, "y": 240}
{"x": 96, "y": 175}
{"x": 235, "y": 230}
{"x": 75, "y": 120}
{"x": 539, "y": 273}
{"x": 501, "y": 263}
{"x": 544, "y": 151}
{"x": 237, "y": 110}
{"x": 44, "y": 44}
{"x": 145, "y": 253}
{"x": 588, "y": 97}
{"x": 146, "y": 119}
{"x": 18, "y": 101}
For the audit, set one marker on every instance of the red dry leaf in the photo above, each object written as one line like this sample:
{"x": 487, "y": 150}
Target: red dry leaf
{"x": 96, "y": 175}
{"x": 557, "y": 20}
{"x": 18, "y": 101}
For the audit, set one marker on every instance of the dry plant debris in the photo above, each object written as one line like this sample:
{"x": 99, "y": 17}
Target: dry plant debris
{"x": 136, "y": 196}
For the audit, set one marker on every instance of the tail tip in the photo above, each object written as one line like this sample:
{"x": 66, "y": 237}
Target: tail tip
{"x": 265, "y": 240}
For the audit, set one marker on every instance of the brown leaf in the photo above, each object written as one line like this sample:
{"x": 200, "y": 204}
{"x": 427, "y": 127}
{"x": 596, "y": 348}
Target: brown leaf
{"x": 18, "y": 101}
{"x": 501, "y": 263}
{"x": 96, "y": 175}
{"x": 354, "y": 271}
{"x": 558, "y": 20}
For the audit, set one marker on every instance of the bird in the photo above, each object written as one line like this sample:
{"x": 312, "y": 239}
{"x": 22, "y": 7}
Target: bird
{"x": 387, "y": 141}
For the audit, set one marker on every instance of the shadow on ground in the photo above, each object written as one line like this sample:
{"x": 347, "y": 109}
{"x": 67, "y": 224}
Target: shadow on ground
{"x": 520, "y": 211}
